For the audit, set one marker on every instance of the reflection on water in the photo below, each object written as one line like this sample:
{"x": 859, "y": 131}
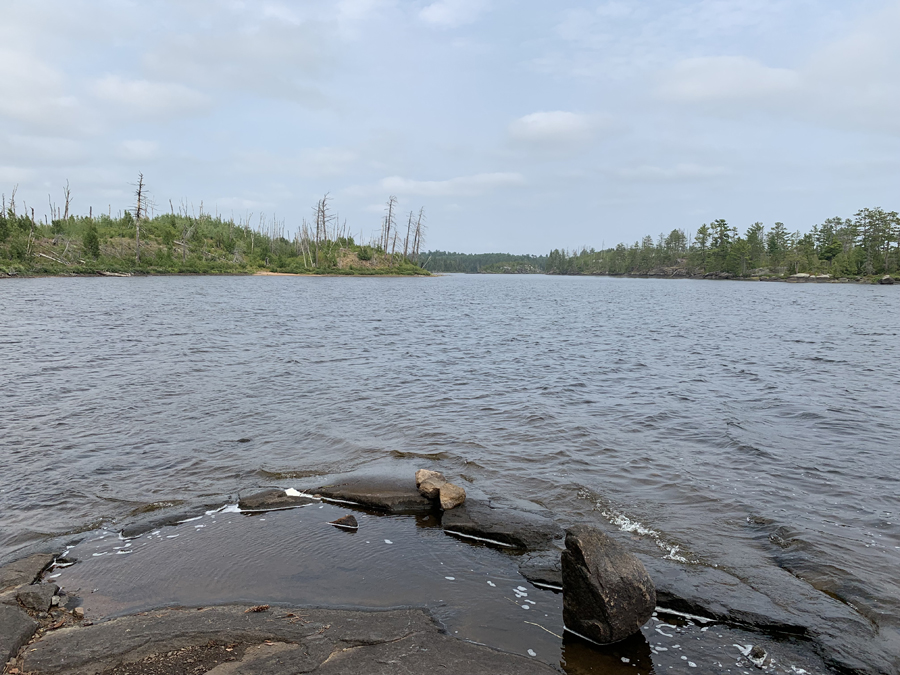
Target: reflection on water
{"x": 746, "y": 425}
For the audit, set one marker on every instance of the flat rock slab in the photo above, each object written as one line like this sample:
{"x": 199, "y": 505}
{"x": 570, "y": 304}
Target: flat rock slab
{"x": 37, "y": 597}
{"x": 147, "y": 522}
{"x": 273, "y": 499}
{"x": 24, "y": 571}
{"x": 279, "y": 641}
{"x": 542, "y": 568}
{"x": 508, "y": 527}
{"x": 16, "y": 628}
{"x": 389, "y": 495}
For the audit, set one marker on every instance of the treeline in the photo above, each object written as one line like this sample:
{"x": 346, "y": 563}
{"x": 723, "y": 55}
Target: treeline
{"x": 865, "y": 245}
{"x": 475, "y": 263}
{"x": 189, "y": 241}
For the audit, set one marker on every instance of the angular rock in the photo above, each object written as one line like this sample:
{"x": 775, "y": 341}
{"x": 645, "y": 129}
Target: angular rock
{"x": 451, "y": 496}
{"x": 431, "y": 487}
{"x": 273, "y": 499}
{"x": 508, "y": 527}
{"x": 425, "y": 474}
{"x": 391, "y": 495}
{"x": 37, "y": 597}
{"x": 24, "y": 571}
{"x": 607, "y": 593}
{"x": 16, "y": 628}
{"x": 347, "y": 522}
{"x": 886, "y": 280}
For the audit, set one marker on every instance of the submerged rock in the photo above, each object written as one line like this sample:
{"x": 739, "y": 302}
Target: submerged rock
{"x": 16, "y": 628}
{"x": 451, "y": 496}
{"x": 380, "y": 494}
{"x": 347, "y": 522}
{"x": 274, "y": 499}
{"x": 607, "y": 593}
{"x": 508, "y": 527}
{"x": 37, "y": 597}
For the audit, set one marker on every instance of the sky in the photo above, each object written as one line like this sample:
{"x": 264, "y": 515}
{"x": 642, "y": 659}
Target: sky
{"x": 519, "y": 126}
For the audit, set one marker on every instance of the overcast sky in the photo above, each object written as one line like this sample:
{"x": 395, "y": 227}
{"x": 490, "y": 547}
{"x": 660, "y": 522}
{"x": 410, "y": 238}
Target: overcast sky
{"x": 519, "y": 125}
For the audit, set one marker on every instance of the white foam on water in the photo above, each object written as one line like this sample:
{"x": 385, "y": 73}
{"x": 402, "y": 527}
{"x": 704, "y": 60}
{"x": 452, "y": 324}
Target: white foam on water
{"x": 53, "y": 576}
{"x": 492, "y": 584}
{"x": 743, "y": 649}
{"x": 171, "y": 536}
{"x": 531, "y": 652}
{"x": 521, "y": 588}
{"x": 692, "y": 617}
{"x": 472, "y": 536}
{"x": 227, "y": 508}
{"x": 450, "y": 578}
{"x": 97, "y": 555}
{"x": 388, "y": 541}
{"x": 525, "y": 607}
{"x": 189, "y": 520}
{"x": 540, "y": 584}
{"x": 626, "y": 524}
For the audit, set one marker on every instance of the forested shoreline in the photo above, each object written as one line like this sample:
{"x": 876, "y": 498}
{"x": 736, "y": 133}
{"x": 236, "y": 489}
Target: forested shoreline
{"x": 192, "y": 241}
{"x": 483, "y": 263}
{"x": 864, "y": 246}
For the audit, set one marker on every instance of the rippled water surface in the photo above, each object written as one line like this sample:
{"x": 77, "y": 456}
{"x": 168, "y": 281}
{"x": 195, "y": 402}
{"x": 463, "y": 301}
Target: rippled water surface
{"x": 737, "y": 424}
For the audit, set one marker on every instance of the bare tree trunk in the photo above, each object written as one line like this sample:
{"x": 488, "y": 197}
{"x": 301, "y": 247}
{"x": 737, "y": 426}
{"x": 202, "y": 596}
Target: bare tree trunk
{"x": 138, "y": 214}
{"x": 68, "y": 195}
{"x": 406, "y": 241}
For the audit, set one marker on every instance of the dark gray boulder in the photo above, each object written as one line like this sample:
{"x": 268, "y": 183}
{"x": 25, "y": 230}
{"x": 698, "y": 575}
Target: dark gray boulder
{"x": 37, "y": 597}
{"x": 24, "y": 571}
{"x": 607, "y": 593}
{"x": 273, "y": 499}
{"x": 886, "y": 280}
{"x": 391, "y": 495}
{"x": 16, "y": 628}
{"x": 508, "y": 527}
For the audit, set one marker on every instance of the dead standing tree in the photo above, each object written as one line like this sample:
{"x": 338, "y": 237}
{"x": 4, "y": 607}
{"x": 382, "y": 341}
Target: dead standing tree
{"x": 138, "y": 214}
{"x": 419, "y": 236}
{"x": 388, "y": 223}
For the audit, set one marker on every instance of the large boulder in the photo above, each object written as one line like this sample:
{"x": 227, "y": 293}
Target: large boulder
{"x": 607, "y": 593}
{"x": 886, "y": 280}
{"x": 508, "y": 527}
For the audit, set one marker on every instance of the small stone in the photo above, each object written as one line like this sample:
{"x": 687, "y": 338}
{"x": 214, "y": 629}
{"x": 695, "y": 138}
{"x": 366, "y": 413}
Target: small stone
{"x": 451, "y": 496}
{"x": 347, "y": 522}
{"x": 757, "y": 656}
{"x": 78, "y": 612}
{"x": 431, "y": 487}
{"x": 54, "y": 601}
{"x": 429, "y": 482}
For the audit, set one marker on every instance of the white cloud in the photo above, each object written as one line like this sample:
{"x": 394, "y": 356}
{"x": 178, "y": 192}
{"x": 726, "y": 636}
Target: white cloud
{"x": 33, "y": 91}
{"x": 678, "y": 172}
{"x": 729, "y": 78}
{"x": 462, "y": 186}
{"x": 149, "y": 99}
{"x": 453, "y": 13}
{"x": 139, "y": 150}
{"x": 553, "y": 127}
{"x": 13, "y": 175}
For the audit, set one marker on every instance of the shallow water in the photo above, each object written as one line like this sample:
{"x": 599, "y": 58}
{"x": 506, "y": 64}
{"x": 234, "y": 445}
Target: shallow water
{"x": 737, "y": 424}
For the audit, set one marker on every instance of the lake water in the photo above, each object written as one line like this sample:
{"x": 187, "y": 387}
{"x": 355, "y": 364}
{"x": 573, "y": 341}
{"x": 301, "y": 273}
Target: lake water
{"x": 744, "y": 425}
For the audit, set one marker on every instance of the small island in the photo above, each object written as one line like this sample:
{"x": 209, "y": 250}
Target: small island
{"x": 192, "y": 241}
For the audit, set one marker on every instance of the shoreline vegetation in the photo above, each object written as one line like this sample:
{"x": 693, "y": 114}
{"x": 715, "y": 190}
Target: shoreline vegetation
{"x": 864, "y": 248}
{"x": 188, "y": 241}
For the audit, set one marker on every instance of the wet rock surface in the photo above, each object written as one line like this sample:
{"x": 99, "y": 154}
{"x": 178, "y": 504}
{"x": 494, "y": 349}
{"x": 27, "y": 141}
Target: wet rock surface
{"x": 390, "y": 495}
{"x": 24, "y": 571}
{"x": 511, "y": 527}
{"x": 273, "y": 499}
{"x": 152, "y": 520}
{"x": 279, "y": 640}
{"x": 16, "y": 628}
{"x": 607, "y": 593}
{"x": 348, "y": 522}
{"x": 543, "y": 568}
{"x": 430, "y": 482}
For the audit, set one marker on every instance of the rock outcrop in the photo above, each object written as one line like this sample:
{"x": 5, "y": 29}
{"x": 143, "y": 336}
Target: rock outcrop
{"x": 507, "y": 527}
{"x": 389, "y": 495}
{"x": 607, "y": 593}
{"x": 274, "y": 499}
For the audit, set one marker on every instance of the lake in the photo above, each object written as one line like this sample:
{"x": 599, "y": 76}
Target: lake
{"x": 747, "y": 426}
